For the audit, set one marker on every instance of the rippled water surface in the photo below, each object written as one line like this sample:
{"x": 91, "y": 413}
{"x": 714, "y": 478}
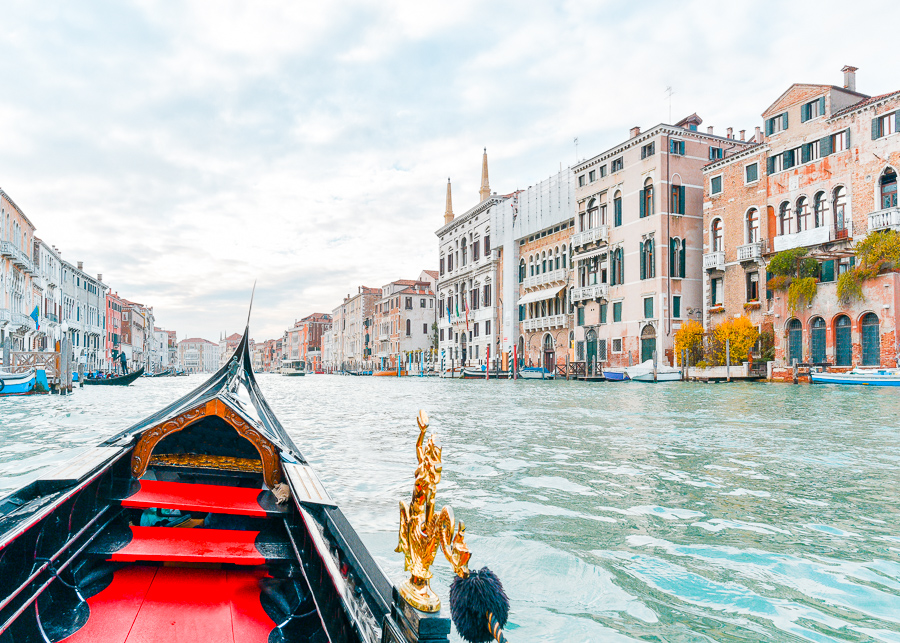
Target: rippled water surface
{"x": 612, "y": 512}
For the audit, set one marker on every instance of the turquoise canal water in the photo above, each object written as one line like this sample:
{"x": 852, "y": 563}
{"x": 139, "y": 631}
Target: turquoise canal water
{"x": 612, "y": 512}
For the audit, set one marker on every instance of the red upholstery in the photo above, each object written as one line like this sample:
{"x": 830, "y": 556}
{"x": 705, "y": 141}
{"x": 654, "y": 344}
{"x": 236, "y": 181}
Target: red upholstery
{"x": 196, "y": 497}
{"x": 191, "y": 545}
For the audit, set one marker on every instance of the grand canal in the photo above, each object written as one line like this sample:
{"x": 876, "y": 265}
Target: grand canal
{"x": 612, "y": 512}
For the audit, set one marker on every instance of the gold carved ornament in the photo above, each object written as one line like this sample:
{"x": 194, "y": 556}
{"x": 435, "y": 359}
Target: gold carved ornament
{"x": 421, "y": 530}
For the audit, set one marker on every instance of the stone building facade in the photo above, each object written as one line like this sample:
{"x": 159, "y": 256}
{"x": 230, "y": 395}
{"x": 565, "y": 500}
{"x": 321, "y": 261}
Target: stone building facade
{"x": 352, "y": 326}
{"x": 638, "y": 242}
{"x": 403, "y": 321}
{"x": 304, "y": 339}
{"x": 18, "y": 292}
{"x": 828, "y": 178}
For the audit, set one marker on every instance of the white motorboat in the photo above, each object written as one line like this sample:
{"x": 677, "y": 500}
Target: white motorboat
{"x": 292, "y": 367}
{"x": 535, "y": 373}
{"x": 643, "y": 372}
{"x": 860, "y": 377}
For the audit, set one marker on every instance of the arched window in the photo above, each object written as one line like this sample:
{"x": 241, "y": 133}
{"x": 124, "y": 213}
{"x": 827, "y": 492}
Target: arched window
{"x": 593, "y": 217}
{"x": 819, "y": 209}
{"x": 802, "y": 214}
{"x": 870, "y": 340}
{"x": 564, "y": 257}
{"x": 556, "y": 260}
{"x": 531, "y": 266}
{"x": 839, "y": 203}
{"x": 648, "y": 264}
{"x": 795, "y": 341}
{"x": 676, "y": 257}
{"x": 463, "y": 253}
{"x": 888, "y": 185}
{"x": 543, "y": 262}
{"x": 647, "y": 198}
{"x": 784, "y": 218}
{"x": 617, "y": 209}
{"x": 618, "y": 270}
{"x": 752, "y": 225}
{"x": 717, "y": 235}
{"x": 817, "y": 341}
{"x": 521, "y": 270}
{"x": 843, "y": 348}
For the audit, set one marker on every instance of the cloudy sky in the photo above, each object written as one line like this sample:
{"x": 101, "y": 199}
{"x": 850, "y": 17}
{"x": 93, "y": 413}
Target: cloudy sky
{"x": 186, "y": 149}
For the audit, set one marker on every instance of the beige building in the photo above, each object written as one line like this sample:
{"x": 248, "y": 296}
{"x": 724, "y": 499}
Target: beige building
{"x": 352, "y": 327}
{"x": 638, "y": 242}
{"x": 19, "y": 293}
{"x": 403, "y": 319}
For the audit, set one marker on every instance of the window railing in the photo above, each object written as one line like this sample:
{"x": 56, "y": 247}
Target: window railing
{"x": 714, "y": 260}
{"x": 597, "y": 291}
{"x": 886, "y": 219}
{"x": 546, "y": 322}
{"x": 545, "y": 278}
{"x": 5, "y": 315}
{"x": 599, "y": 233}
{"x": 750, "y": 251}
{"x": 21, "y": 319}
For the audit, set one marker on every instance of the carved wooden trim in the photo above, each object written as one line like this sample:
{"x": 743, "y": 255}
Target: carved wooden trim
{"x": 140, "y": 456}
{"x": 271, "y": 462}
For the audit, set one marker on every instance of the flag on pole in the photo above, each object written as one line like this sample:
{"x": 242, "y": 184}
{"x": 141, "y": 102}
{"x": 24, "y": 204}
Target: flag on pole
{"x": 35, "y": 315}
{"x": 466, "y": 304}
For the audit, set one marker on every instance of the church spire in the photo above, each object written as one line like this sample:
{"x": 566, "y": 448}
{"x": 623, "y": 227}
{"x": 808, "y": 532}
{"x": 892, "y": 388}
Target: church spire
{"x": 448, "y": 213}
{"x": 485, "y": 190}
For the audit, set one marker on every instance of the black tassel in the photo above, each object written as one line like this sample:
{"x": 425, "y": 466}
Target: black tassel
{"x": 479, "y": 605}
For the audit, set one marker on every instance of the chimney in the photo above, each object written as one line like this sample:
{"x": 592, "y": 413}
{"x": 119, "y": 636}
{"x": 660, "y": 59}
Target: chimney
{"x": 758, "y": 136}
{"x": 743, "y": 135}
{"x": 634, "y": 131}
{"x": 729, "y": 133}
{"x": 709, "y": 130}
{"x": 100, "y": 276}
{"x": 850, "y": 77}
{"x": 81, "y": 265}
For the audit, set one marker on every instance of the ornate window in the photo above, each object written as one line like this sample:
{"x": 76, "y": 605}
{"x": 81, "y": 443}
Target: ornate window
{"x": 752, "y": 225}
{"x": 717, "y": 244}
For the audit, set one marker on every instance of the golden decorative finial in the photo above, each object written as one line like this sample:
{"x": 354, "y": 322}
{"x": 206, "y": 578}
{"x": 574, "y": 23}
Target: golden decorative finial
{"x": 421, "y": 530}
{"x": 448, "y": 213}
{"x": 485, "y": 190}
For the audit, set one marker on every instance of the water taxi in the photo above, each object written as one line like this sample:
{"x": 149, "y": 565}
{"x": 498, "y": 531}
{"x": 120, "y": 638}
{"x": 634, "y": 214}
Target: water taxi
{"x": 292, "y": 367}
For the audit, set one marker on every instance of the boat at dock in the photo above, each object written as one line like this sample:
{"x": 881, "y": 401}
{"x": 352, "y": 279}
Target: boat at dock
{"x": 204, "y": 522}
{"x": 860, "y": 377}
{"x": 535, "y": 373}
{"x": 292, "y": 367}
{"x": 20, "y": 383}
{"x": 478, "y": 373}
{"x": 121, "y": 380}
{"x": 643, "y": 372}
{"x": 615, "y": 374}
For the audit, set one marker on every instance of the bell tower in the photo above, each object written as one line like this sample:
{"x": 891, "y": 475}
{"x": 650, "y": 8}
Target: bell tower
{"x": 485, "y": 190}
{"x": 448, "y": 213}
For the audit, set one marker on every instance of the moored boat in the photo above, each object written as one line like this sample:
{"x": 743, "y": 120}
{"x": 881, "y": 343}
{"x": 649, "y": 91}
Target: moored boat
{"x": 860, "y": 377}
{"x": 121, "y": 380}
{"x": 204, "y": 522}
{"x": 292, "y": 367}
{"x": 479, "y": 373}
{"x": 535, "y": 373}
{"x": 643, "y": 372}
{"x": 18, "y": 383}
{"x": 614, "y": 374}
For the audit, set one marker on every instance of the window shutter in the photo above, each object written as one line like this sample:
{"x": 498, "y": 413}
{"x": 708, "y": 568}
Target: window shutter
{"x": 785, "y": 126}
{"x": 769, "y": 125}
{"x": 768, "y": 292}
{"x": 681, "y": 259}
{"x": 822, "y": 106}
{"x": 770, "y": 165}
{"x": 681, "y": 199}
{"x": 804, "y": 112}
{"x": 710, "y": 153}
{"x": 827, "y": 271}
{"x": 825, "y": 146}
{"x": 642, "y": 204}
{"x": 643, "y": 261}
{"x": 897, "y": 121}
{"x": 805, "y": 152}
{"x": 713, "y": 291}
{"x": 875, "y": 129}
{"x": 672, "y": 258}
{"x": 847, "y": 132}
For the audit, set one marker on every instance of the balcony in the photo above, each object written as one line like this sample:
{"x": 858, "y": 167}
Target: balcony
{"x": 7, "y": 249}
{"x": 714, "y": 260}
{"x": 52, "y": 317}
{"x": 600, "y": 233}
{"x": 813, "y": 237}
{"x": 5, "y": 316}
{"x": 750, "y": 251}
{"x": 553, "y": 276}
{"x": 23, "y": 321}
{"x": 597, "y": 291}
{"x": 545, "y": 323}
{"x": 888, "y": 219}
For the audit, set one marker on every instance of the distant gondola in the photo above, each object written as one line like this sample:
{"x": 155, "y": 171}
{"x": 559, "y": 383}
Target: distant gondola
{"x": 122, "y": 380}
{"x": 202, "y": 522}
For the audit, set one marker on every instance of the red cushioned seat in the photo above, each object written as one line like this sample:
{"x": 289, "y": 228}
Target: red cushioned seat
{"x": 203, "y": 497}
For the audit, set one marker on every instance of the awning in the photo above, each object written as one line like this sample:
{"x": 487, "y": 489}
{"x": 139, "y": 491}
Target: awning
{"x": 589, "y": 255}
{"x": 540, "y": 295}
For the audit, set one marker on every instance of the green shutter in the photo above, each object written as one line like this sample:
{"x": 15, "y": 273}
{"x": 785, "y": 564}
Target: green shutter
{"x": 713, "y": 291}
{"x": 785, "y": 126}
{"x": 643, "y": 261}
{"x": 672, "y": 258}
{"x": 681, "y": 199}
{"x": 825, "y": 146}
{"x": 770, "y": 125}
{"x": 822, "y": 106}
{"x": 804, "y": 152}
{"x": 603, "y": 308}
{"x": 681, "y": 258}
{"x": 768, "y": 292}
{"x": 676, "y": 306}
{"x": 897, "y": 121}
{"x": 770, "y": 165}
{"x": 804, "y": 112}
{"x": 876, "y": 131}
{"x": 643, "y": 214}
{"x": 827, "y": 271}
